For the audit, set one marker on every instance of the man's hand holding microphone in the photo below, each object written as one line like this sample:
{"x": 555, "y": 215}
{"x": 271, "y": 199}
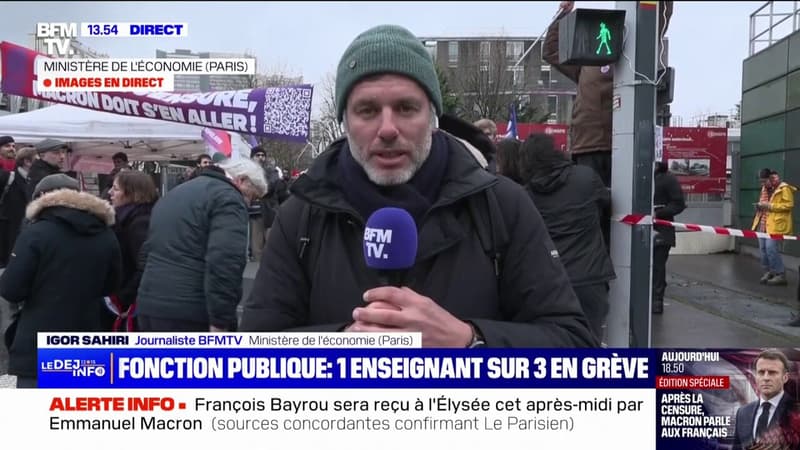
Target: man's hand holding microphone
{"x": 390, "y": 246}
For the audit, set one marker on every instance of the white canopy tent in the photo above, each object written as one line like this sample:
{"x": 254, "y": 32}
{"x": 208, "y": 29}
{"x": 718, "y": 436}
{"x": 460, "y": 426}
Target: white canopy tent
{"x": 97, "y": 134}
{"x": 94, "y": 136}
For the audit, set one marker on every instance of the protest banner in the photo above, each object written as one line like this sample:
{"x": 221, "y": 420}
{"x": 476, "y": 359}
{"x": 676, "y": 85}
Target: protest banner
{"x": 279, "y": 112}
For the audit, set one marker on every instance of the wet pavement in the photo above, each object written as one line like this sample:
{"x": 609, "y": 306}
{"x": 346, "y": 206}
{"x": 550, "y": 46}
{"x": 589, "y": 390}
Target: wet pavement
{"x": 737, "y": 272}
{"x": 727, "y": 287}
{"x": 684, "y": 325}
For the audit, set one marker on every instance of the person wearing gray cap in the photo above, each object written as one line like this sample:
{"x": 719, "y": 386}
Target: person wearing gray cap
{"x": 52, "y": 154}
{"x": 64, "y": 262}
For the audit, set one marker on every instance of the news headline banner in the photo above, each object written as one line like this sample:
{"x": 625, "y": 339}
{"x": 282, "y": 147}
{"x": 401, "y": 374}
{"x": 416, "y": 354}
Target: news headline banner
{"x": 237, "y": 361}
{"x": 348, "y": 419}
{"x": 280, "y": 112}
{"x": 654, "y": 398}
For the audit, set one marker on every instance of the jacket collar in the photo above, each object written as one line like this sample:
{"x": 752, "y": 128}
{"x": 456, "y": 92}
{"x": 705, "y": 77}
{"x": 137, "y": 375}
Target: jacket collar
{"x": 464, "y": 177}
{"x": 44, "y": 164}
{"x": 218, "y": 174}
{"x": 784, "y": 185}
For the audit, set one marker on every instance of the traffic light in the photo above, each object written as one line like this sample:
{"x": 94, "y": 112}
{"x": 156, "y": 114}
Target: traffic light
{"x": 591, "y": 37}
{"x": 665, "y": 89}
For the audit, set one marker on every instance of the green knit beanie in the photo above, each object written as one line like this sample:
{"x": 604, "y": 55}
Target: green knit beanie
{"x": 386, "y": 49}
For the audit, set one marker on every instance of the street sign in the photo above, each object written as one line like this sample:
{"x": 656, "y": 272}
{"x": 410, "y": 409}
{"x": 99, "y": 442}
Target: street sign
{"x": 591, "y": 37}
{"x": 659, "y": 146}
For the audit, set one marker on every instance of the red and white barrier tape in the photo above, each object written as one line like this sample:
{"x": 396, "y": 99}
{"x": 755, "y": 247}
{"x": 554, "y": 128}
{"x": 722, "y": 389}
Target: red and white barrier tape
{"x": 643, "y": 219}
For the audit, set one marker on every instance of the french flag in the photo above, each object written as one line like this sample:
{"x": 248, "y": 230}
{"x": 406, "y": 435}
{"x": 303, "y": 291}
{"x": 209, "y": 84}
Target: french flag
{"x": 511, "y": 132}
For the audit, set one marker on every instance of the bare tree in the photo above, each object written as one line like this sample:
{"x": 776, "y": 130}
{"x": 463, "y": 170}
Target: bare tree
{"x": 325, "y": 129}
{"x": 486, "y": 86}
{"x": 491, "y": 81}
{"x": 287, "y": 154}
{"x": 528, "y": 112}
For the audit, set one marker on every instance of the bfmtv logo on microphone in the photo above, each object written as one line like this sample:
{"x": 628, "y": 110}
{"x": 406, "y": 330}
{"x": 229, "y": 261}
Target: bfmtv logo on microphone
{"x": 390, "y": 239}
{"x": 375, "y": 240}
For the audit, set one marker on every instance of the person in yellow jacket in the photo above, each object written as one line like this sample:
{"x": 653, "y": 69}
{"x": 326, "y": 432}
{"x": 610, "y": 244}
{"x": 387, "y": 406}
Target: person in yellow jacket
{"x": 773, "y": 216}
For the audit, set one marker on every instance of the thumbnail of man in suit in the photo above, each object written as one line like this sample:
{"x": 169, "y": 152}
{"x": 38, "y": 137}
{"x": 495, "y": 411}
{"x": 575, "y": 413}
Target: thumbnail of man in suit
{"x": 768, "y": 418}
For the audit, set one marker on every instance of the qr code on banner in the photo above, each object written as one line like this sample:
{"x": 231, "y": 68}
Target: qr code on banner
{"x": 287, "y": 111}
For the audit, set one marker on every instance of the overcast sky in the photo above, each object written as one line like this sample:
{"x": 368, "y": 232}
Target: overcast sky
{"x": 708, "y": 40}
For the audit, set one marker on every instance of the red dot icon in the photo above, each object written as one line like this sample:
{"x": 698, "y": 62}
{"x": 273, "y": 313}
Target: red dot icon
{"x": 47, "y": 83}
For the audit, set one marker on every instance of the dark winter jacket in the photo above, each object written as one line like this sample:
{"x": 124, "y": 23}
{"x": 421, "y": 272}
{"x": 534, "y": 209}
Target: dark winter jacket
{"x": 531, "y": 304}
{"x": 65, "y": 261}
{"x": 668, "y": 202}
{"x": 570, "y": 199}
{"x": 196, "y": 250}
{"x": 130, "y": 228}
{"x": 39, "y": 169}
{"x": 12, "y": 210}
{"x": 474, "y": 136}
{"x": 277, "y": 193}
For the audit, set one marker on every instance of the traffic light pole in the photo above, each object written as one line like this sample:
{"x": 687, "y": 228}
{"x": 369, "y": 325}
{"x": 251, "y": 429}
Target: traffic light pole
{"x": 633, "y": 145}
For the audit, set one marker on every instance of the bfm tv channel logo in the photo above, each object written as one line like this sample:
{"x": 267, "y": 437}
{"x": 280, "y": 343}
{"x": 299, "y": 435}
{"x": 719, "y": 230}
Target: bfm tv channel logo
{"x": 77, "y": 367}
{"x": 375, "y": 240}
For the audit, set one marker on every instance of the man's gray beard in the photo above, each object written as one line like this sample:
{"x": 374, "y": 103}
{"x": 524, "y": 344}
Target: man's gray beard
{"x": 393, "y": 178}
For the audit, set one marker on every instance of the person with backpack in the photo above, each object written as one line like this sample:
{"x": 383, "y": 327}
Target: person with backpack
{"x": 486, "y": 272}
{"x": 570, "y": 198}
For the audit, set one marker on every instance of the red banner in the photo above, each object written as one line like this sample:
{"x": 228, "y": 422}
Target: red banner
{"x": 698, "y": 157}
{"x": 218, "y": 141}
{"x": 559, "y": 132}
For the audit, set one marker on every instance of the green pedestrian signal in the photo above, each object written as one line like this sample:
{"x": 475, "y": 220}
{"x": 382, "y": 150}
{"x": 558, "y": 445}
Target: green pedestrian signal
{"x": 590, "y": 37}
{"x": 604, "y": 36}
